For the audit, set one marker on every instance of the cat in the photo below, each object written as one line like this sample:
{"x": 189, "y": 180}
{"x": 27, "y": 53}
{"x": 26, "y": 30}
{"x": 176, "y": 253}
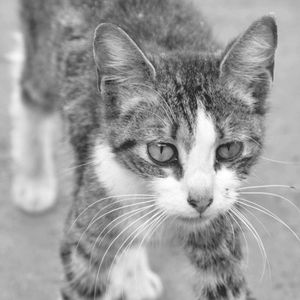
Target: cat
{"x": 165, "y": 125}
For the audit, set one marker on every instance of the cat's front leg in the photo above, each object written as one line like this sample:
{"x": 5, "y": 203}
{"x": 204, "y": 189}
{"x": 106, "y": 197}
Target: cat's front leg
{"x": 125, "y": 276}
{"x": 34, "y": 183}
{"x": 132, "y": 277}
{"x": 34, "y": 132}
{"x": 217, "y": 261}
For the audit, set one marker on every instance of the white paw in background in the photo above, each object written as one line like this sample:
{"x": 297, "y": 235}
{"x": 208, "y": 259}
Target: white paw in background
{"x": 34, "y": 183}
{"x": 34, "y": 194}
{"x": 133, "y": 278}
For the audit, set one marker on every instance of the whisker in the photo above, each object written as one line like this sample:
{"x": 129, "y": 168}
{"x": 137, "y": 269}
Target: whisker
{"x": 97, "y": 218}
{"x": 270, "y": 214}
{"x": 69, "y": 169}
{"x": 148, "y": 227}
{"x": 106, "y": 198}
{"x": 280, "y": 161}
{"x": 113, "y": 241}
{"x": 133, "y": 236}
{"x": 151, "y": 229}
{"x": 257, "y": 237}
{"x": 254, "y": 216}
{"x": 131, "y": 214}
{"x": 274, "y": 195}
{"x": 257, "y": 176}
{"x": 149, "y": 200}
{"x": 155, "y": 226}
{"x": 266, "y": 186}
{"x": 244, "y": 236}
{"x": 259, "y": 241}
{"x": 127, "y": 216}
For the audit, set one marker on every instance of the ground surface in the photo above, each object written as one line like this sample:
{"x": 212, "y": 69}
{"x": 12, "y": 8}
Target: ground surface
{"x": 29, "y": 264}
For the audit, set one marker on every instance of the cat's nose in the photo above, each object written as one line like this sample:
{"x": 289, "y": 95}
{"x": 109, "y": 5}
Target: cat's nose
{"x": 200, "y": 203}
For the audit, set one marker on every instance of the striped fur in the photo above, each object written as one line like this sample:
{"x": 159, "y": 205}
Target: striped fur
{"x": 158, "y": 78}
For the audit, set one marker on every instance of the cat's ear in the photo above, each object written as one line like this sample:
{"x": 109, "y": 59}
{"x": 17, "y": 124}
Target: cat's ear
{"x": 248, "y": 63}
{"x": 118, "y": 58}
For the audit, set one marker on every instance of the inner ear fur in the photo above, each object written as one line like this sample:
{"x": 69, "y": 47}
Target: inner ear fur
{"x": 247, "y": 65}
{"x": 118, "y": 58}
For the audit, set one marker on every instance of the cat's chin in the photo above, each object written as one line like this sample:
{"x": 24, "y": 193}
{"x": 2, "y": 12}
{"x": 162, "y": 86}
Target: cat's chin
{"x": 201, "y": 220}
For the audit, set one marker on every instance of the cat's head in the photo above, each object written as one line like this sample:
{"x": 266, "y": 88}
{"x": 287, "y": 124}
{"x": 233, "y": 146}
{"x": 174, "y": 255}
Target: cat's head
{"x": 185, "y": 126}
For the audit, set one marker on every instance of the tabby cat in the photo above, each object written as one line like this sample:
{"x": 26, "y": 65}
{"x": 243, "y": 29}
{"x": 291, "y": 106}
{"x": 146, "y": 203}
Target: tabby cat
{"x": 165, "y": 126}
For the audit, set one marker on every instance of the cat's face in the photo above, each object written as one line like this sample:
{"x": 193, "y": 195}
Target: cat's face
{"x": 185, "y": 128}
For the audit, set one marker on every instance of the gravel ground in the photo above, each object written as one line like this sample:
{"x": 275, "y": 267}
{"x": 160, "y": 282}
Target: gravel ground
{"x": 29, "y": 263}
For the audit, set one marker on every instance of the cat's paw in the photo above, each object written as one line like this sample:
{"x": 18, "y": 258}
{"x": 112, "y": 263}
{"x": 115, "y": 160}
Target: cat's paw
{"x": 132, "y": 279}
{"x": 137, "y": 286}
{"x": 145, "y": 285}
{"x": 33, "y": 194}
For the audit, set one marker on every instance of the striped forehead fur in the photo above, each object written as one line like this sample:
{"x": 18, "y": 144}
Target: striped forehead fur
{"x": 199, "y": 167}
{"x": 187, "y": 94}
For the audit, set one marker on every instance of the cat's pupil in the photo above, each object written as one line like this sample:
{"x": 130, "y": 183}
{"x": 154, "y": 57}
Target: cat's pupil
{"x": 233, "y": 149}
{"x": 161, "y": 149}
{"x": 161, "y": 153}
{"x": 229, "y": 151}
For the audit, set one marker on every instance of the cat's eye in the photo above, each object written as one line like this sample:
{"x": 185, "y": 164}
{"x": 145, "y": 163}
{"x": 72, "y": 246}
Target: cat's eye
{"x": 162, "y": 153}
{"x": 229, "y": 151}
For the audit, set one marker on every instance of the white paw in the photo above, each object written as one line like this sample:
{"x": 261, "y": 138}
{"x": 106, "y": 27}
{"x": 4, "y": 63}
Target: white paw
{"x": 133, "y": 279}
{"x": 144, "y": 285}
{"x": 34, "y": 194}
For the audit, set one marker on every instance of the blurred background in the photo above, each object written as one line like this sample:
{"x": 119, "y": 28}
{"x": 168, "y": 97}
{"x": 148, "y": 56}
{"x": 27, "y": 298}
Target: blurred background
{"x": 29, "y": 261}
